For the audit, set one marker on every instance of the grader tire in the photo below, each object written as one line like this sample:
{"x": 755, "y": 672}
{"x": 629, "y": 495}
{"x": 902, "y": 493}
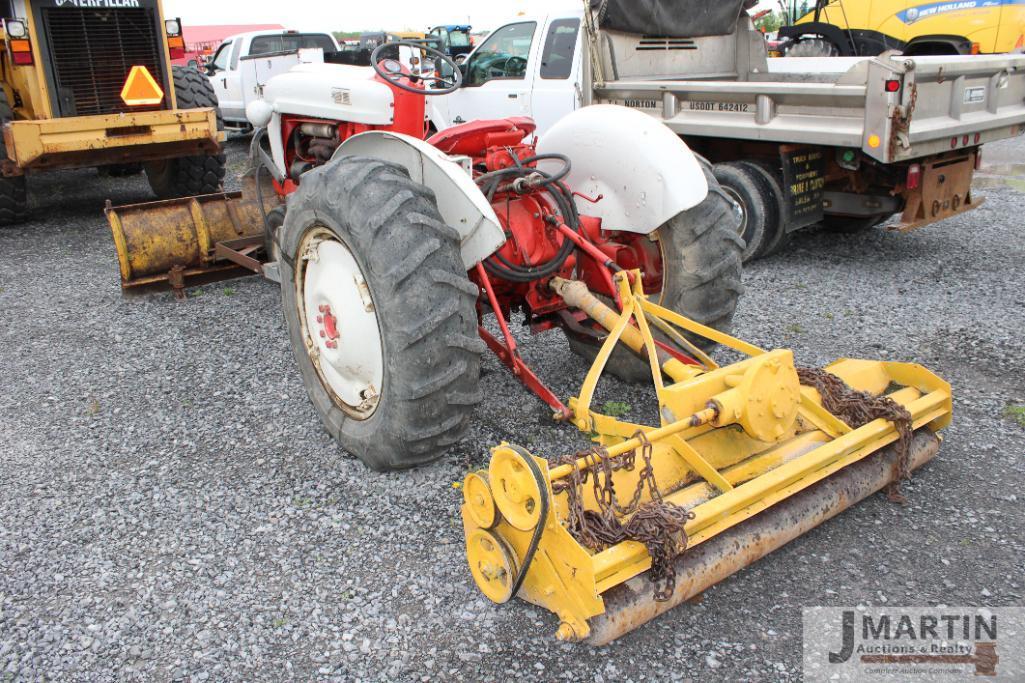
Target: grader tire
{"x": 195, "y": 175}
{"x": 425, "y": 310}
{"x": 13, "y": 189}
{"x": 702, "y": 263}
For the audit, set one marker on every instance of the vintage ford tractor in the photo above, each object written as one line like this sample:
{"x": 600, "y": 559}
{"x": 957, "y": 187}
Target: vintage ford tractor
{"x": 402, "y": 260}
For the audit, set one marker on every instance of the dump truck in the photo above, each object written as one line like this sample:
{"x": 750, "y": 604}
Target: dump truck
{"x": 402, "y": 260}
{"x": 91, "y": 84}
{"x": 841, "y": 142}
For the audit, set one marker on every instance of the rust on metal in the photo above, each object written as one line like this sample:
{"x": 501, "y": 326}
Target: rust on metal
{"x": 629, "y": 605}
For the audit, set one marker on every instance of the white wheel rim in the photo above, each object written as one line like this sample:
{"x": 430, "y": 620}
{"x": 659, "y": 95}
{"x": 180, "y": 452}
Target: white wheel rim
{"x": 340, "y": 324}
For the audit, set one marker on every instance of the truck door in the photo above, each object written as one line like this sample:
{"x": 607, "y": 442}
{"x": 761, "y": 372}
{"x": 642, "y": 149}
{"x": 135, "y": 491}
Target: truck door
{"x": 217, "y": 72}
{"x": 233, "y": 107}
{"x": 499, "y": 76}
{"x": 557, "y": 87}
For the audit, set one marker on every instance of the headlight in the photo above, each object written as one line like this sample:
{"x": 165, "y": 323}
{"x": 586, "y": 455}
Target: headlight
{"x": 16, "y": 29}
{"x": 173, "y": 27}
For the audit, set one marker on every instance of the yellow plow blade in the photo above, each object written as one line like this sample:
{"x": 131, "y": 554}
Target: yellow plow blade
{"x": 175, "y": 242}
{"x": 746, "y": 458}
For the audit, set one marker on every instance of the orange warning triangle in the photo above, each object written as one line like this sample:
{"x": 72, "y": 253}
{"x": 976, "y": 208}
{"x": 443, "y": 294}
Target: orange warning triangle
{"x": 141, "y": 88}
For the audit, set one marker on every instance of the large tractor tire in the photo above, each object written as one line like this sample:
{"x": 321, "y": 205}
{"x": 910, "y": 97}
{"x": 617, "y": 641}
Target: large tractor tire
{"x": 195, "y": 175}
{"x": 702, "y": 262}
{"x": 813, "y": 47}
{"x": 748, "y": 186}
{"x": 13, "y": 189}
{"x": 380, "y": 312}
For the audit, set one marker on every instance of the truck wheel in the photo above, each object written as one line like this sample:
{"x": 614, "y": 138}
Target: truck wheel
{"x": 747, "y": 185}
{"x": 702, "y": 263}
{"x": 13, "y": 189}
{"x": 381, "y": 315}
{"x": 195, "y": 175}
{"x": 779, "y": 237}
{"x": 849, "y": 225}
{"x": 813, "y": 47}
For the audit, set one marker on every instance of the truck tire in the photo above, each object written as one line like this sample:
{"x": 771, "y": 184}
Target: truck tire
{"x": 813, "y": 47}
{"x": 778, "y": 238}
{"x": 195, "y": 175}
{"x": 702, "y": 262}
{"x": 365, "y": 242}
{"x": 747, "y": 185}
{"x": 13, "y": 189}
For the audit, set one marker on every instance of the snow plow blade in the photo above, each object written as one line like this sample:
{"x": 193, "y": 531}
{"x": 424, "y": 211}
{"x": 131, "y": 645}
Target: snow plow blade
{"x": 747, "y": 457}
{"x": 192, "y": 240}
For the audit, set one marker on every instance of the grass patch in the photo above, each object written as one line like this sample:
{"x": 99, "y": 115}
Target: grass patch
{"x": 794, "y": 328}
{"x": 1016, "y": 413}
{"x": 616, "y": 409}
{"x": 229, "y": 291}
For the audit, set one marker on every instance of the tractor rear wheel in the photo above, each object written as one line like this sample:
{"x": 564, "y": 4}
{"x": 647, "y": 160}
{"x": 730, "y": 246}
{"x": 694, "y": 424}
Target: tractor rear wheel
{"x": 702, "y": 262}
{"x": 13, "y": 189}
{"x": 381, "y": 315}
{"x": 195, "y": 175}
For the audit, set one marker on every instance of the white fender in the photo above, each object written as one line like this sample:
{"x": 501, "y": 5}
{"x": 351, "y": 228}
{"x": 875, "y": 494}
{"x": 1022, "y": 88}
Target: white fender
{"x": 644, "y": 172}
{"x": 461, "y": 203}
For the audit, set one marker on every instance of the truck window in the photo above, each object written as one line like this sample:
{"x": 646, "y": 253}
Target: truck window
{"x": 503, "y": 55}
{"x": 459, "y": 39}
{"x": 220, "y": 60}
{"x": 235, "y": 54}
{"x": 560, "y": 45}
{"x": 290, "y": 42}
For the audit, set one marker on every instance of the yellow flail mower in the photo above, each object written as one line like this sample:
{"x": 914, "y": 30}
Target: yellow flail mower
{"x": 746, "y": 458}
{"x": 401, "y": 260}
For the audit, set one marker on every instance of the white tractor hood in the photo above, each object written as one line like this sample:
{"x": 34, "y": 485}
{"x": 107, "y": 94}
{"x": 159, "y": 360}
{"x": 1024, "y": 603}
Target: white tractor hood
{"x": 337, "y": 92}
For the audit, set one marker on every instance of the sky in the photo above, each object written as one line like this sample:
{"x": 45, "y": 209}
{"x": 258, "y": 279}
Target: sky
{"x": 353, "y": 15}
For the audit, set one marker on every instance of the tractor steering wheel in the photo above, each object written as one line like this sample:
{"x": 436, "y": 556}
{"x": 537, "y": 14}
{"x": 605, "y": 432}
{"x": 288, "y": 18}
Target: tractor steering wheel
{"x": 392, "y": 71}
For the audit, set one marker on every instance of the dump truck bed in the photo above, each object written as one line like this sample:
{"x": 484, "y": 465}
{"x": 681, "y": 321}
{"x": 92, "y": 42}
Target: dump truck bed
{"x": 892, "y": 108}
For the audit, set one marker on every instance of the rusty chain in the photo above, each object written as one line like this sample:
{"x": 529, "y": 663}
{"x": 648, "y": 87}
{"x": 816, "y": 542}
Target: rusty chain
{"x": 857, "y": 409}
{"x": 657, "y": 524}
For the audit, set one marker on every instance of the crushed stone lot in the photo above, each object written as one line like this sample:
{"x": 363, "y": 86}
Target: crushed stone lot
{"x": 170, "y": 508}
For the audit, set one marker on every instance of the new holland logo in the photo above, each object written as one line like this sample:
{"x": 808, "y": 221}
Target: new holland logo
{"x": 107, "y": 4}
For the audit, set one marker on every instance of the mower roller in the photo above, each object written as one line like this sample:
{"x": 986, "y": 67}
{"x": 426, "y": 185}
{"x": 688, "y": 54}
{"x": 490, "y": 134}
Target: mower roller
{"x": 401, "y": 260}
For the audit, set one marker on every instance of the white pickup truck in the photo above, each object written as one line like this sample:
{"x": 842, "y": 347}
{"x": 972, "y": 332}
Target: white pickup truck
{"x": 244, "y": 63}
{"x": 846, "y": 142}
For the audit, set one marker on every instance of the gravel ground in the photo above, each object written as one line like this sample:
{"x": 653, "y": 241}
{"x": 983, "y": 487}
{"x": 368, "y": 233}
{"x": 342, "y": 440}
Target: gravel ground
{"x": 171, "y": 509}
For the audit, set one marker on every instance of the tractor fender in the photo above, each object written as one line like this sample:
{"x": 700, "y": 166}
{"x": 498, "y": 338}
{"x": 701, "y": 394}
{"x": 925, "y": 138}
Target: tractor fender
{"x": 643, "y": 173}
{"x": 461, "y": 203}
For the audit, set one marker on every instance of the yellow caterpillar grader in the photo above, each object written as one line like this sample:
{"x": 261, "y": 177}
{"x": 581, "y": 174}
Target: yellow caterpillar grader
{"x": 402, "y": 259}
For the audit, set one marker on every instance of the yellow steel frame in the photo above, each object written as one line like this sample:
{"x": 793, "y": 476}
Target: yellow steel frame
{"x": 717, "y": 470}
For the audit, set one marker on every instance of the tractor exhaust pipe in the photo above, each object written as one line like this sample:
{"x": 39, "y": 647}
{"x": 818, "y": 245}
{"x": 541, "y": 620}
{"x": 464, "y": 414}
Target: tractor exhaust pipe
{"x": 630, "y": 605}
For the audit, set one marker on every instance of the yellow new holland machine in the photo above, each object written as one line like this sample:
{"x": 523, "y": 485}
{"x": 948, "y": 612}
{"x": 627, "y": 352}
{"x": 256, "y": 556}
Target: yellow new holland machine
{"x": 399, "y": 258}
{"x": 91, "y": 84}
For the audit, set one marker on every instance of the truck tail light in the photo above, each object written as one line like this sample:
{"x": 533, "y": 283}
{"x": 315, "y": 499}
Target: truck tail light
{"x": 176, "y": 47}
{"x": 914, "y": 176}
{"x": 892, "y": 85}
{"x": 21, "y": 52}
